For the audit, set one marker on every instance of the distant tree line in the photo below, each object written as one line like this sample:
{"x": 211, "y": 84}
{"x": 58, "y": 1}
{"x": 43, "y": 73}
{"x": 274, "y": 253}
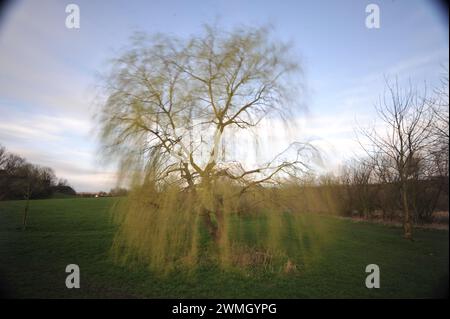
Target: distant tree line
{"x": 356, "y": 192}
{"x": 118, "y": 192}
{"x": 20, "y": 179}
{"x": 113, "y": 192}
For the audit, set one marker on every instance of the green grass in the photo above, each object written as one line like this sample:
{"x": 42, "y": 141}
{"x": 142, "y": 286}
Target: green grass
{"x": 80, "y": 231}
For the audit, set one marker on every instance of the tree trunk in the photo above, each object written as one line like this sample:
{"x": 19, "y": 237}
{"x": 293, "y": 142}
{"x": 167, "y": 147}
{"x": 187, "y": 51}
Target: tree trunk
{"x": 220, "y": 221}
{"x": 25, "y": 215}
{"x": 215, "y": 228}
{"x": 407, "y": 227}
{"x": 210, "y": 225}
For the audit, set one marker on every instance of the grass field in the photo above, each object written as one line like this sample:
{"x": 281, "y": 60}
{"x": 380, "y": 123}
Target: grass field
{"x": 80, "y": 231}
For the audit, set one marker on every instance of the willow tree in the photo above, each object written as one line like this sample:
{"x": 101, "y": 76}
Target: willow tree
{"x": 174, "y": 111}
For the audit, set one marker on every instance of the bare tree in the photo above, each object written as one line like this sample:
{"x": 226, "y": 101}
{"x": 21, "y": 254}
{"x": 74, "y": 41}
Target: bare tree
{"x": 440, "y": 130}
{"x": 440, "y": 106}
{"x": 406, "y": 118}
{"x": 3, "y": 156}
{"x": 30, "y": 180}
{"x": 169, "y": 105}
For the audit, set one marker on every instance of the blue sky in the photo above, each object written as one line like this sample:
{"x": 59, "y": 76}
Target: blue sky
{"x": 48, "y": 72}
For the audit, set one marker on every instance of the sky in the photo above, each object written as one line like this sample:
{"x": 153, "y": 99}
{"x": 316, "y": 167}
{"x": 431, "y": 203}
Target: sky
{"x": 48, "y": 73}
